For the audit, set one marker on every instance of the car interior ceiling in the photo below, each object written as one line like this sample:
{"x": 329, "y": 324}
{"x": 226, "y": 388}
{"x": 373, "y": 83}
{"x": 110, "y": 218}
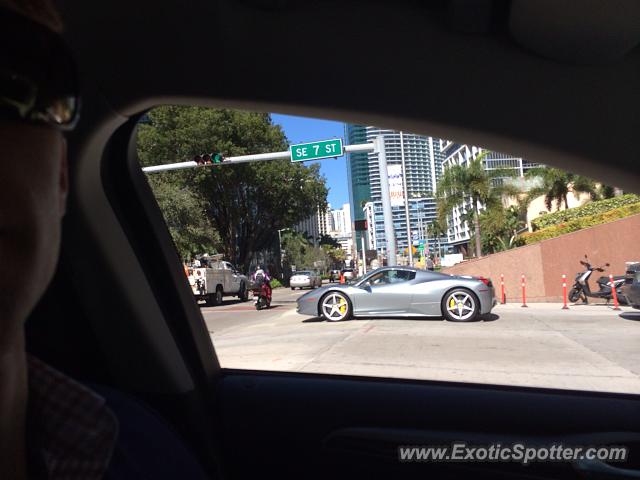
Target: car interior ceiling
{"x": 531, "y": 78}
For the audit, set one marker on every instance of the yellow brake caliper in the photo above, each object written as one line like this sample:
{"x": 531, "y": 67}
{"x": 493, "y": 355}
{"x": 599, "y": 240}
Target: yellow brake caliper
{"x": 452, "y": 302}
{"x": 342, "y": 306}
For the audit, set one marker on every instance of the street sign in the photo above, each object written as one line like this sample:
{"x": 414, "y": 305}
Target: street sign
{"x": 303, "y": 152}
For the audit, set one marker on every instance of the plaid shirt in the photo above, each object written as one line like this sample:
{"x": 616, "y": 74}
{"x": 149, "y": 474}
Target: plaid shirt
{"x": 71, "y": 433}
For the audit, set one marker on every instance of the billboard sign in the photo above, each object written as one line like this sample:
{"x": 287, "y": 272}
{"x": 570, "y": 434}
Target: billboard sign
{"x": 396, "y": 188}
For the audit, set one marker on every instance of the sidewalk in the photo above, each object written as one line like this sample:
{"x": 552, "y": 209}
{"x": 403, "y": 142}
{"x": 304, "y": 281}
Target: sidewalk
{"x": 579, "y": 308}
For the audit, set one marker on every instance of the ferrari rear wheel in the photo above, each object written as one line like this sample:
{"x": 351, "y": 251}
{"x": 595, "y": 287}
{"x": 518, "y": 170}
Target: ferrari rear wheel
{"x": 335, "y": 307}
{"x": 460, "y": 305}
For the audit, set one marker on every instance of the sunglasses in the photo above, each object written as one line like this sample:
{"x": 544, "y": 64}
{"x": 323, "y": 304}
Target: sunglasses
{"x": 37, "y": 74}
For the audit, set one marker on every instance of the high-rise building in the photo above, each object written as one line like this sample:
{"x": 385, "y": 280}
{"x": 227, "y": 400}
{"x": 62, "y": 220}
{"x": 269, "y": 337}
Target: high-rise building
{"x": 423, "y": 159}
{"x": 309, "y": 227}
{"x": 318, "y": 224}
{"x": 338, "y": 220}
{"x": 325, "y": 221}
{"x": 459, "y": 231}
{"x": 341, "y": 220}
{"x": 341, "y": 232}
{"x": 357, "y": 175}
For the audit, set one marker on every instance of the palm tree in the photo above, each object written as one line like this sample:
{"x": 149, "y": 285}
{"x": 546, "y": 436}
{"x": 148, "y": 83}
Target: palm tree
{"x": 556, "y": 185}
{"x": 437, "y": 229}
{"x": 500, "y": 228}
{"x": 459, "y": 184}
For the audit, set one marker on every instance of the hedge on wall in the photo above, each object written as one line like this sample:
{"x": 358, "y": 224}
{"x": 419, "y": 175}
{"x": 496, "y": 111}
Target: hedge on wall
{"x": 591, "y": 208}
{"x": 580, "y": 223}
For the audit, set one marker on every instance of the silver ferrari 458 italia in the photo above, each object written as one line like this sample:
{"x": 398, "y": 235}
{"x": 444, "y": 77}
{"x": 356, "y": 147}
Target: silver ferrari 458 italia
{"x": 403, "y": 292}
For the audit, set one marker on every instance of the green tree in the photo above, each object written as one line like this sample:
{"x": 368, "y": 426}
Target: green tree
{"x": 336, "y": 255}
{"x": 500, "y": 227}
{"x": 328, "y": 240}
{"x": 185, "y": 216}
{"x": 436, "y": 230}
{"x": 301, "y": 252}
{"x": 246, "y": 203}
{"x": 606, "y": 191}
{"x": 556, "y": 184}
{"x": 472, "y": 182}
{"x": 294, "y": 245}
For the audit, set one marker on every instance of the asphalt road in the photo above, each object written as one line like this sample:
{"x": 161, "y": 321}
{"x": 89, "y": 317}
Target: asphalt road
{"x": 585, "y": 348}
{"x": 234, "y": 313}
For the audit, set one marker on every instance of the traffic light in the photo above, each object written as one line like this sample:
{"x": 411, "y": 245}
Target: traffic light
{"x": 209, "y": 158}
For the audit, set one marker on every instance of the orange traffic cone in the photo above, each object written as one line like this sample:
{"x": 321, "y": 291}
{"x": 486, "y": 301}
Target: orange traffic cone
{"x": 341, "y": 278}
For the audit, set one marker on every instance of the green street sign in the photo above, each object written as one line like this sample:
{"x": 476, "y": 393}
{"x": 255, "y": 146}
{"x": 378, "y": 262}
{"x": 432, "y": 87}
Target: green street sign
{"x": 316, "y": 150}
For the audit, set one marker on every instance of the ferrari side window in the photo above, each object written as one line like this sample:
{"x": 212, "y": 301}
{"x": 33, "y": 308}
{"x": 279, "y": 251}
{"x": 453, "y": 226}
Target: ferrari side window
{"x": 380, "y": 278}
{"x": 396, "y": 276}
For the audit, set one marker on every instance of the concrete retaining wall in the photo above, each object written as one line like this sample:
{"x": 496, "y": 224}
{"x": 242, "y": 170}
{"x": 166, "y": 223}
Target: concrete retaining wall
{"x": 544, "y": 263}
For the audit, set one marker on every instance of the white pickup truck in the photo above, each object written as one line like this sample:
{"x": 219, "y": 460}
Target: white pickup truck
{"x": 217, "y": 280}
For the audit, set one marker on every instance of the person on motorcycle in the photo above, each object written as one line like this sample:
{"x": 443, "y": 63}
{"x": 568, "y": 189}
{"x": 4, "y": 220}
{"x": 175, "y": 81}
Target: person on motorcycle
{"x": 262, "y": 281}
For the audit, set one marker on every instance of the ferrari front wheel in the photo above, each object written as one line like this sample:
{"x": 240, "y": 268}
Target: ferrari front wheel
{"x": 335, "y": 307}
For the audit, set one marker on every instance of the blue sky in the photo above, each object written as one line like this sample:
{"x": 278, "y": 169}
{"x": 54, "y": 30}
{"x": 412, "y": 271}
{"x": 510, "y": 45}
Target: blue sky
{"x": 302, "y": 129}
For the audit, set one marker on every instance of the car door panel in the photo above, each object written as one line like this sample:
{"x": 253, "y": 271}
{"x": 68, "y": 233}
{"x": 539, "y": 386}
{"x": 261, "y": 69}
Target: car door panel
{"x": 427, "y": 297}
{"x": 284, "y": 421}
{"x": 386, "y": 292}
{"x": 388, "y": 299}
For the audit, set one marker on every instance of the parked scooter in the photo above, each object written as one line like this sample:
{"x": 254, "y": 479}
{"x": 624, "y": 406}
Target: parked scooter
{"x": 582, "y": 289}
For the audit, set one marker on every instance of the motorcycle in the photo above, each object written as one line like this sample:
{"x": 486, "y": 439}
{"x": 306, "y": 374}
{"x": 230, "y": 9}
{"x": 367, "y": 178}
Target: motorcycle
{"x": 582, "y": 289}
{"x": 262, "y": 294}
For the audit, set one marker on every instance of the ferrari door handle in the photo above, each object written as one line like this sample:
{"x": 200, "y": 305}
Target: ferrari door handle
{"x": 598, "y": 470}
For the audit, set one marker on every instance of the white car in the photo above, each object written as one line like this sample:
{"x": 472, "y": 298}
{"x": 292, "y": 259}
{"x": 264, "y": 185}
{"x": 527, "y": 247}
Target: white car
{"x": 305, "y": 279}
{"x": 348, "y": 274}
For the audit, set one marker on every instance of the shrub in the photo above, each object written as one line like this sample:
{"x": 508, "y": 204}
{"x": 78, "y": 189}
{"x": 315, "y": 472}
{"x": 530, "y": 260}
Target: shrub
{"x": 587, "y": 210}
{"x": 275, "y": 283}
{"x": 580, "y": 223}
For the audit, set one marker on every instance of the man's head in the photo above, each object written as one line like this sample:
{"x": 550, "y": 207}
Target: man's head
{"x": 38, "y": 100}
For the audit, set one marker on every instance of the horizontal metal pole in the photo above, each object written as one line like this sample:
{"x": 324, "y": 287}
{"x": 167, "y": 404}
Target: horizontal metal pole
{"x": 171, "y": 166}
{"x": 361, "y": 147}
{"x": 257, "y": 157}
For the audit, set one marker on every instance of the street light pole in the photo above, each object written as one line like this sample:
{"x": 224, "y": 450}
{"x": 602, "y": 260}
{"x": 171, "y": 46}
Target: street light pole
{"x": 406, "y": 201}
{"x": 280, "y": 251}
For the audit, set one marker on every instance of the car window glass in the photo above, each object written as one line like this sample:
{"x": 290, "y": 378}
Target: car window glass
{"x": 396, "y": 276}
{"x": 381, "y": 278}
{"x": 317, "y": 202}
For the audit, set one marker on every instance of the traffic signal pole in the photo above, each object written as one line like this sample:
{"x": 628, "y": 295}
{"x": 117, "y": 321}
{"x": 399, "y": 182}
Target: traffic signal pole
{"x": 257, "y": 157}
{"x": 376, "y": 147}
{"x": 389, "y": 233}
